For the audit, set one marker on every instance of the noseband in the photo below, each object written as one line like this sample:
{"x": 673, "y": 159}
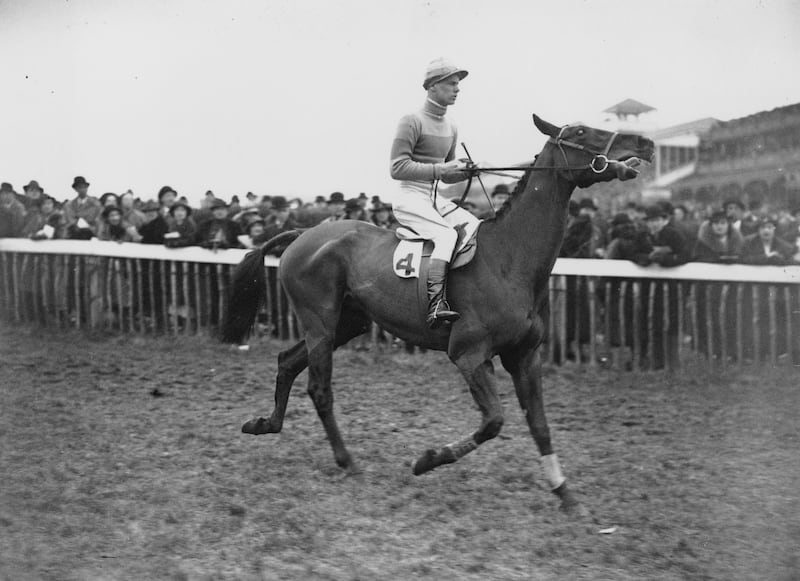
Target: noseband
{"x": 599, "y": 162}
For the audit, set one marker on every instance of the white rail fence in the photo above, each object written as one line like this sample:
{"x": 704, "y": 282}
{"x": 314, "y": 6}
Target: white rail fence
{"x": 603, "y": 312}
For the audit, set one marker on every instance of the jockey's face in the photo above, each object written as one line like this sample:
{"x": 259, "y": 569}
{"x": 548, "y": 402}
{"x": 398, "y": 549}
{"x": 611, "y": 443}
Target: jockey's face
{"x": 445, "y": 91}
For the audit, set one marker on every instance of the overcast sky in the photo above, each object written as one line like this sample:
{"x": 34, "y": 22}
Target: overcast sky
{"x": 301, "y": 98}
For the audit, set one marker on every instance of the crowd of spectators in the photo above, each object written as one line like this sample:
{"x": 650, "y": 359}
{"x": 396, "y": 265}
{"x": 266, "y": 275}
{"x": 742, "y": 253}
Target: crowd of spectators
{"x": 671, "y": 235}
{"x": 660, "y": 233}
{"x": 170, "y": 219}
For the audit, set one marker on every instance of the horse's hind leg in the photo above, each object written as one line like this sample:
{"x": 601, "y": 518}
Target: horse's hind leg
{"x": 479, "y": 374}
{"x": 524, "y": 366}
{"x": 320, "y": 367}
{"x": 290, "y": 364}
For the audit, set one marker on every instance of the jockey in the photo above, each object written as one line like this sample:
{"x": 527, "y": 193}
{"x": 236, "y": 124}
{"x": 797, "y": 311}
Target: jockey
{"x": 423, "y": 153}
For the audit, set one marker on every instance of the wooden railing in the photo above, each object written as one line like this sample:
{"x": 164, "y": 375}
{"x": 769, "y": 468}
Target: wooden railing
{"x": 603, "y": 312}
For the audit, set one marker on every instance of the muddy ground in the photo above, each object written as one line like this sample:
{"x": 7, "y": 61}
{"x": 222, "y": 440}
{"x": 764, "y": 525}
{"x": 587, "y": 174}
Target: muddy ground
{"x": 122, "y": 458}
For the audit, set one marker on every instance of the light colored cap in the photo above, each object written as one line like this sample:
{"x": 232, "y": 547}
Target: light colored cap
{"x": 439, "y": 69}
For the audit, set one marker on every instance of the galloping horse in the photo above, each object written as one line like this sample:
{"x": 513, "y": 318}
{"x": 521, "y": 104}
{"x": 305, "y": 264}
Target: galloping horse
{"x": 339, "y": 278}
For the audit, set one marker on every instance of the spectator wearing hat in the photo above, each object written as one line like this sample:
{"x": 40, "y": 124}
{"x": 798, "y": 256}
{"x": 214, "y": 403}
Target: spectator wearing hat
{"x": 167, "y": 196}
{"x": 583, "y": 238}
{"x": 766, "y": 247}
{"x": 81, "y": 213}
{"x": 354, "y": 211}
{"x": 220, "y": 231}
{"x": 250, "y": 200}
{"x": 718, "y": 241}
{"x": 751, "y": 218}
{"x": 33, "y": 191}
{"x": 280, "y": 220}
{"x": 109, "y": 199}
{"x": 500, "y": 195}
{"x": 662, "y": 243}
{"x": 113, "y": 227}
{"x": 44, "y": 221}
{"x": 320, "y": 203}
{"x": 264, "y": 206}
{"x": 362, "y": 202}
{"x": 622, "y": 234}
{"x": 336, "y": 207}
{"x": 155, "y": 225}
{"x": 423, "y": 153}
{"x": 244, "y": 218}
{"x": 182, "y": 229}
{"x": 235, "y": 206}
{"x": 734, "y": 210}
{"x": 12, "y": 212}
{"x": 254, "y": 233}
{"x": 382, "y": 216}
{"x": 130, "y": 214}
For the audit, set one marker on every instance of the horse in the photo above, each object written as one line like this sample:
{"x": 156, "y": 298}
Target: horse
{"x": 339, "y": 280}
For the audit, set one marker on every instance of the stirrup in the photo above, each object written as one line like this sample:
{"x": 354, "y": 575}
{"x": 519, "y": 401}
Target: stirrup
{"x": 440, "y": 314}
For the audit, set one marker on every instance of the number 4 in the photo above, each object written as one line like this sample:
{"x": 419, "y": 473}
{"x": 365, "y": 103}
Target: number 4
{"x": 405, "y": 263}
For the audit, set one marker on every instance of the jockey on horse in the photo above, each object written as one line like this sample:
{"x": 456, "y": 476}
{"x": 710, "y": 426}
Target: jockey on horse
{"x": 423, "y": 153}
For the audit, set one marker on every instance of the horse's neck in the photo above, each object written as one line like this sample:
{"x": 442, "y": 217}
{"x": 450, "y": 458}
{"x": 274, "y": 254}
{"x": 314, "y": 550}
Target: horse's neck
{"x": 532, "y": 229}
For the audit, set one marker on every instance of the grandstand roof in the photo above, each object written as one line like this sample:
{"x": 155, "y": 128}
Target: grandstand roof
{"x": 629, "y": 107}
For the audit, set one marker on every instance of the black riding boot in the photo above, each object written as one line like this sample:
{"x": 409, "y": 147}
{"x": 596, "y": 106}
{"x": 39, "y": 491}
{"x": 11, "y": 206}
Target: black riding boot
{"x": 438, "y": 310}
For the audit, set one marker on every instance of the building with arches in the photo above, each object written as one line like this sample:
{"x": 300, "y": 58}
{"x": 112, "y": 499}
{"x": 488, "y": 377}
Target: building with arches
{"x": 755, "y": 159}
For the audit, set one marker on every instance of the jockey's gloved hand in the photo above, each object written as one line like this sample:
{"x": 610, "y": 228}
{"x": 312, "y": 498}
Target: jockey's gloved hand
{"x": 455, "y": 170}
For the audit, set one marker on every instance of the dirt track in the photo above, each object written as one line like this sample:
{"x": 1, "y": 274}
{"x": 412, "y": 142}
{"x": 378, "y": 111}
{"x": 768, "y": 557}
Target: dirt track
{"x": 103, "y": 480}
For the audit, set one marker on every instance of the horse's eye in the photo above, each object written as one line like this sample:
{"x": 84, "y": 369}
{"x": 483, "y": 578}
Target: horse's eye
{"x": 580, "y": 132}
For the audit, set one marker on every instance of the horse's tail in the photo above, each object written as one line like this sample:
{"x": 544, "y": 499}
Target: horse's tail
{"x": 248, "y": 291}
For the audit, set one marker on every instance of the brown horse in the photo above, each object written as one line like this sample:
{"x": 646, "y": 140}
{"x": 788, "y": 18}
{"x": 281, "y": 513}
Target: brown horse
{"x": 339, "y": 278}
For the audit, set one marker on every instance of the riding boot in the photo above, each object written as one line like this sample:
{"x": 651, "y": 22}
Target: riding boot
{"x": 438, "y": 310}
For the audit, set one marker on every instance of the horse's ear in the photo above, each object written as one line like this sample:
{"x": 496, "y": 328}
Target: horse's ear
{"x": 545, "y": 127}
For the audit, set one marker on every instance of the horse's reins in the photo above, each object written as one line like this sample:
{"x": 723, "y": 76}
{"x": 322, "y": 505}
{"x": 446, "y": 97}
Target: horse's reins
{"x": 599, "y": 156}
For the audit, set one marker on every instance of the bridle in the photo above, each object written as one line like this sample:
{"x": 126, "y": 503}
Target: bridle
{"x": 601, "y": 156}
{"x": 598, "y": 164}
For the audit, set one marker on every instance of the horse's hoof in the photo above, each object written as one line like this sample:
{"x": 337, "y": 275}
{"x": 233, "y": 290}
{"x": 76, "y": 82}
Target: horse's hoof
{"x": 257, "y": 426}
{"x": 426, "y": 463}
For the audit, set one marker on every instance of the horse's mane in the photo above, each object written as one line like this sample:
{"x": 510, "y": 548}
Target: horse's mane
{"x": 515, "y": 194}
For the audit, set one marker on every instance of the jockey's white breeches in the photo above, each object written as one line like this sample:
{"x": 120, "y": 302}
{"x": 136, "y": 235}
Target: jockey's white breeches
{"x": 413, "y": 206}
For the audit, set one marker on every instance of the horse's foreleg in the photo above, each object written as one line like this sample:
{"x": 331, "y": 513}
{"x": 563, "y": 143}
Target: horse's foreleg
{"x": 525, "y": 369}
{"x": 480, "y": 378}
{"x": 290, "y": 364}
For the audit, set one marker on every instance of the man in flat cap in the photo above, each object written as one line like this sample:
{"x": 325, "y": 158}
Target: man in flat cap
{"x": 424, "y": 153}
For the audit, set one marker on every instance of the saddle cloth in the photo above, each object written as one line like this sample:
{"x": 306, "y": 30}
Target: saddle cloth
{"x": 410, "y": 250}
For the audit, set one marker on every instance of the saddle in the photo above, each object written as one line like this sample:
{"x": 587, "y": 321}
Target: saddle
{"x": 413, "y": 252}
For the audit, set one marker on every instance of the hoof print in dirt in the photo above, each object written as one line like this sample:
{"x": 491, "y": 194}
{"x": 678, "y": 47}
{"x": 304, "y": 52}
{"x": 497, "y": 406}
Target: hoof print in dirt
{"x": 155, "y": 392}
